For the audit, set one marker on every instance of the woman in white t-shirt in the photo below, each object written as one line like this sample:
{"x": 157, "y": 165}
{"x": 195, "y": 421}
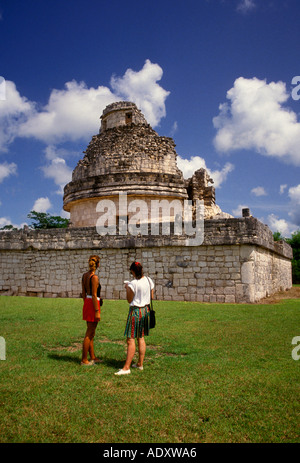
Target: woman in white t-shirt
{"x": 139, "y": 292}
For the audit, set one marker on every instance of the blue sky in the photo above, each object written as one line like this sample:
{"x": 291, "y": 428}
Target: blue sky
{"x": 219, "y": 76}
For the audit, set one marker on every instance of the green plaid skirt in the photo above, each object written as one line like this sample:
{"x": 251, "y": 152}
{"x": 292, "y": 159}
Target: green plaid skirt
{"x": 138, "y": 322}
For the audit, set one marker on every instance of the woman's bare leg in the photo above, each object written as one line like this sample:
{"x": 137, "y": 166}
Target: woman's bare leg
{"x": 88, "y": 344}
{"x": 142, "y": 351}
{"x": 91, "y": 350}
{"x": 130, "y": 353}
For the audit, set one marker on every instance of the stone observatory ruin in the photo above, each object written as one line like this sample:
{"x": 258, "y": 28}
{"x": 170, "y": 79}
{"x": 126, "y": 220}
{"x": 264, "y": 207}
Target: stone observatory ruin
{"x": 237, "y": 260}
{"x": 128, "y": 156}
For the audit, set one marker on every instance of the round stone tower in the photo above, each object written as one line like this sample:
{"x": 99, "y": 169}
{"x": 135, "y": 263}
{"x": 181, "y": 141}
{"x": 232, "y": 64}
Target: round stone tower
{"x": 126, "y": 156}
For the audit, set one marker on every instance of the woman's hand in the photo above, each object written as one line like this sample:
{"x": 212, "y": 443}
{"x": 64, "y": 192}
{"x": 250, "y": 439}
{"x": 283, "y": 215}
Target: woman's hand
{"x": 97, "y": 316}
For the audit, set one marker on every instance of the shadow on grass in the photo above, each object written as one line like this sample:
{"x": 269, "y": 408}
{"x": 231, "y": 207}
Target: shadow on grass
{"x": 104, "y": 361}
{"x": 64, "y": 358}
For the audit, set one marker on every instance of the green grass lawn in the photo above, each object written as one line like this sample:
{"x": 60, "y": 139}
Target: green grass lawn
{"x": 213, "y": 373}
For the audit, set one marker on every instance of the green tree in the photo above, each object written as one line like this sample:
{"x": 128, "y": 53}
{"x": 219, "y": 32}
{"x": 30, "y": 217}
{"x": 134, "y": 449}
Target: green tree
{"x": 294, "y": 241}
{"x": 8, "y": 228}
{"x": 278, "y": 236}
{"x": 45, "y": 220}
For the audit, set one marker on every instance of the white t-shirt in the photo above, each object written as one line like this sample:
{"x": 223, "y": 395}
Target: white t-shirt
{"x": 141, "y": 290}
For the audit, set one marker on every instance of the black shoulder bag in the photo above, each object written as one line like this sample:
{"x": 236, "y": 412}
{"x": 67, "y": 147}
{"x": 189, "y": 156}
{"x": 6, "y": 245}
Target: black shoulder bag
{"x": 152, "y": 311}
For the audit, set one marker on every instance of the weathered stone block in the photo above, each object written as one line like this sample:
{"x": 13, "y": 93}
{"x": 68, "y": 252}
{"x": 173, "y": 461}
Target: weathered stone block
{"x": 229, "y": 299}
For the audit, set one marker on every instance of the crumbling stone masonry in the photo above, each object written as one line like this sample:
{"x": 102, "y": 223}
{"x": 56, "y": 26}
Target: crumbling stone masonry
{"x": 129, "y": 156}
{"x": 237, "y": 262}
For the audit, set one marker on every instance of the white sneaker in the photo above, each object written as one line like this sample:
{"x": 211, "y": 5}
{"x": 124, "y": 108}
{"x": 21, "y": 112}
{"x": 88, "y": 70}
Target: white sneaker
{"x": 135, "y": 365}
{"x": 88, "y": 364}
{"x": 122, "y": 372}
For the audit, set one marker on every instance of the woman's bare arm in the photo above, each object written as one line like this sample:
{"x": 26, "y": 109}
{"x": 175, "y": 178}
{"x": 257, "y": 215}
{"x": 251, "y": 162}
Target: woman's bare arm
{"x": 129, "y": 294}
{"x": 95, "y": 283}
{"x": 83, "y": 291}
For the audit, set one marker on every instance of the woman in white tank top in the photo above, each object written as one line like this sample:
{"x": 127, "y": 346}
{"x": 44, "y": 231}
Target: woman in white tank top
{"x": 139, "y": 292}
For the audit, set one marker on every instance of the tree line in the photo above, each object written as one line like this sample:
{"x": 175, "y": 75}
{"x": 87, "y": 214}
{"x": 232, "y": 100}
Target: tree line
{"x": 294, "y": 241}
{"x": 41, "y": 220}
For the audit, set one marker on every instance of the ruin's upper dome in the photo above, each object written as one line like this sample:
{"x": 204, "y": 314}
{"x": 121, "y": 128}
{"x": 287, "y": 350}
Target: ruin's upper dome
{"x": 120, "y": 114}
{"x": 126, "y": 155}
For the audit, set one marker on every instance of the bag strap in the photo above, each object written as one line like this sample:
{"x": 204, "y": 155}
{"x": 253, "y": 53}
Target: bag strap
{"x": 151, "y": 304}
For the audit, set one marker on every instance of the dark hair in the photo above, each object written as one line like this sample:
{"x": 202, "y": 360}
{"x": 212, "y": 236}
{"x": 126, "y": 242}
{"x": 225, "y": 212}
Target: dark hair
{"x": 137, "y": 268}
{"x": 94, "y": 262}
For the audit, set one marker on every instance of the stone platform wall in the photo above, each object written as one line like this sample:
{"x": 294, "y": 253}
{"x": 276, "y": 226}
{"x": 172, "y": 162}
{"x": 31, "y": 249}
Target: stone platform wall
{"x": 238, "y": 262}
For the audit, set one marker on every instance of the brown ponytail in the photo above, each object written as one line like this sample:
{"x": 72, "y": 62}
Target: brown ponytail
{"x": 94, "y": 263}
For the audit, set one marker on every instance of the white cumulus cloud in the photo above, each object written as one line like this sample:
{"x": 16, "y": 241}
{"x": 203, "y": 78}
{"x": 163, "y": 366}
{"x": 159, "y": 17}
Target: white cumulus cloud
{"x": 282, "y": 188}
{"x": 42, "y": 205}
{"x": 244, "y": 6}
{"x": 255, "y": 118}
{"x": 5, "y": 221}
{"x": 237, "y": 212}
{"x": 294, "y": 194}
{"x": 14, "y": 110}
{"x": 280, "y": 225}
{"x": 259, "y": 191}
{"x": 64, "y": 214}
{"x": 174, "y": 129}
{"x": 287, "y": 227}
{"x": 142, "y": 88}
{"x": 73, "y": 113}
{"x": 7, "y": 169}
{"x": 189, "y": 166}
{"x": 59, "y": 172}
